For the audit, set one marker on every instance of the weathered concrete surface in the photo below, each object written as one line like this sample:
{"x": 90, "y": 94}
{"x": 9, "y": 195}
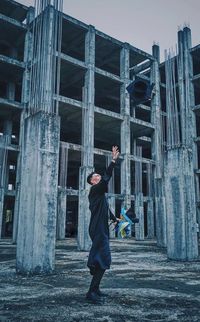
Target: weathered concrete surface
{"x": 143, "y": 286}
{"x": 38, "y": 194}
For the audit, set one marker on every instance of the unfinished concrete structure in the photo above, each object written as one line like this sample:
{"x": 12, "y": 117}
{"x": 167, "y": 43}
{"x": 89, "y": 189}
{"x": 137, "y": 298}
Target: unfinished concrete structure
{"x": 93, "y": 110}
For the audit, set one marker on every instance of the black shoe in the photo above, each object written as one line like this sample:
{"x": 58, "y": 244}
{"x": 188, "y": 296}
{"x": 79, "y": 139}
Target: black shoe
{"x": 93, "y": 298}
{"x": 101, "y": 294}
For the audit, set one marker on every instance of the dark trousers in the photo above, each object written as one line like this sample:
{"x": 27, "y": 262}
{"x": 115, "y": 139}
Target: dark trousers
{"x": 96, "y": 279}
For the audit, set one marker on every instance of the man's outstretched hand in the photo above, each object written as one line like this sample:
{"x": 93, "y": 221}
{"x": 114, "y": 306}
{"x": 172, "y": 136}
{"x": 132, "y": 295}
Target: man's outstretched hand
{"x": 115, "y": 153}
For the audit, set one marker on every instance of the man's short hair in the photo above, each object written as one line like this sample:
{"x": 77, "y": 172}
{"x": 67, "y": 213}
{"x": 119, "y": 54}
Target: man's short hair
{"x": 89, "y": 177}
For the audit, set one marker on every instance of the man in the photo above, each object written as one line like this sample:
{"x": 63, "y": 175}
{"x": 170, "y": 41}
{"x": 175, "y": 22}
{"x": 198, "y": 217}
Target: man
{"x": 99, "y": 257}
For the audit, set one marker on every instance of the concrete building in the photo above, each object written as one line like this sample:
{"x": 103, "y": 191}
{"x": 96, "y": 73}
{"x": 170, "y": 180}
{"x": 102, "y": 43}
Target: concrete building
{"x": 46, "y": 153}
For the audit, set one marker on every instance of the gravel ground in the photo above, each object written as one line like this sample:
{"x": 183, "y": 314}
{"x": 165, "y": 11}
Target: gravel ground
{"x": 143, "y": 285}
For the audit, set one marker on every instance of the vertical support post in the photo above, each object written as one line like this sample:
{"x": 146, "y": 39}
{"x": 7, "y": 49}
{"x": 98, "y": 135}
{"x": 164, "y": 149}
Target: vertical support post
{"x": 125, "y": 126}
{"x": 150, "y": 219}
{"x": 139, "y": 211}
{"x": 61, "y": 213}
{"x": 111, "y": 202}
{"x": 38, "y": 196}
{"x": 88, "y": 142}
{"x": 25, "y": 96}
{"x": 40, "y": 154}
{"x": 4, "y": 166}
{"x": 181, "y": 204}
{"x": 160, "y": 213}
{"x": 182, "y": 241}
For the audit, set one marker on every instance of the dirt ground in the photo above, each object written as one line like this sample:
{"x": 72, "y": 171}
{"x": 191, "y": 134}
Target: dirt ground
{"x": 142, "y": 285}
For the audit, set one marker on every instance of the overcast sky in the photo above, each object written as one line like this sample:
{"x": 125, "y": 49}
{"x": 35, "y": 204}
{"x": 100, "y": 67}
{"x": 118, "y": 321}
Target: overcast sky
{"x": 139, "y": 22}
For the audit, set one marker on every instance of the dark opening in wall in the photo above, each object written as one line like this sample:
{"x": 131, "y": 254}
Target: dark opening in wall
{"x": 71, "y": 124}
{"x": 4, "y": 49}
{"x": 8, "y": 216}
{"x": 143, "y": 114}
{"x": 107, "y": 93}
{"x": 18, "y": 92}
{"x": 197, "y": 91}
{"x": 106, "y": 131}
{"x": 198, "y": 124}
{"x": 73, "y": 40}
{"x": 72, "y": 79}
{"x": 196, "y": 61}
{"x": 163, "y": 98}
{"x": 71, "y": 216}
{"x": 107, "y": 55}
{"x": 74, "y": 163}
{"x": 3, "y": 89}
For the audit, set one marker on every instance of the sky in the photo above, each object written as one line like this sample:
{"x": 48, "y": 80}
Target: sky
{"x": 138, "y": 22}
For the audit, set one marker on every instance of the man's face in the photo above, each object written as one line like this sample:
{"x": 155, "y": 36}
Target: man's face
{"x": 95, "y": 178}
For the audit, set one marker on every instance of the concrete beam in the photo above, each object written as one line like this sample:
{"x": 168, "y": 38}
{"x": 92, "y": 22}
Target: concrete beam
{"x": 69, "y": 101}
{"x": 109, "y": 75}
{"x": 13, "y": 22}
{"x": 108, "y": 113}
{"x": 75, "y": 21}
{"x": 10, "y": 103}
{"x": 195, "y": 77}
{"x": 141, "y": 67}
{"x": 73, "y": 61}
{"x": 143, "y": 160}
{"x": 12, "y": 61}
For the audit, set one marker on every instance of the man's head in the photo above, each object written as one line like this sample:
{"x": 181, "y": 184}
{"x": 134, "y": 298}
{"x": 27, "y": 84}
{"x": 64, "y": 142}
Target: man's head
{"x": 93, "y": 178}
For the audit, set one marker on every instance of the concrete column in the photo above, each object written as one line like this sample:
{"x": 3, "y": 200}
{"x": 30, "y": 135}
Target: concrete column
{"x": 61, "y": 214}
{"x": 139, "y": 211}
{"x": 111, "y": 202}
{"x": 125, "y": 126}
{"x": 1, "y": 208}
{"x": 160, "y": 213}
{"x": 25, "y": 97}
{"x": 179, "y": 174}
{"x": 84, "y": 241}
{"x": 150, "y": 219}
{"x": 38, "y": 195}
{"x": 182, "y": 241}
{"x": 88, "y": 142}
{"x": 4, "y": 167}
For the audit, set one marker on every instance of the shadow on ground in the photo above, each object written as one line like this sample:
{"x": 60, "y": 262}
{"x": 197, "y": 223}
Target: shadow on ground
{"x": 142, "y": 284}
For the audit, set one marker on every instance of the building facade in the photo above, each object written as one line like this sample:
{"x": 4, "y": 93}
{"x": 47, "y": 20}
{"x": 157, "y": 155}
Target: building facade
{"x": 92, "y": 110}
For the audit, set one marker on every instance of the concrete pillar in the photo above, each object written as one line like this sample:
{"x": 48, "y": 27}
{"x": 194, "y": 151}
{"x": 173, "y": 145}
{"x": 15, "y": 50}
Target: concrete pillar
{"x": 160, "y": 212}
{"x": 61, "y": 213}
{"x": 139, "y": 211}
{"x": 111, "y": 202}
{"x": 38, "y": 195}
{"x": 84, "y": 241}
{"x": 179, "y": 174}
{"x": 1, "y": 208}
{"x": 25, "y": 97}
{"x": 157, "y": 154}
{"x": 181, "y": 207}
{"x": 125, "y": 126}
{"x": 4, "y": 167}
{"x": 150, "y": 219}
{"x": 88, "y": 142}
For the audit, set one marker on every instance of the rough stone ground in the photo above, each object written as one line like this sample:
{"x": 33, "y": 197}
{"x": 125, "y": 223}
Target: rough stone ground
{"x": 143, "y": 286}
